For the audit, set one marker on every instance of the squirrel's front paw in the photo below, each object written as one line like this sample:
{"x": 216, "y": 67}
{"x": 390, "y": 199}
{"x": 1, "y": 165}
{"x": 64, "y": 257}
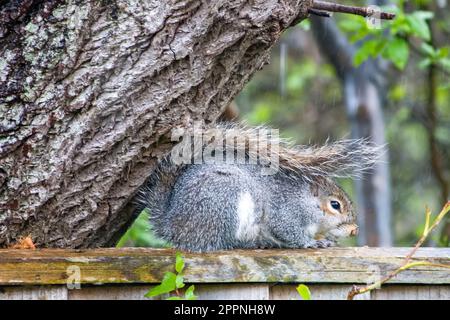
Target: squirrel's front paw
{"x": 322, "y": 243}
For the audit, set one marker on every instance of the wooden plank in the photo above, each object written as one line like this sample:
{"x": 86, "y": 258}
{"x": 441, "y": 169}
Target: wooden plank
{"x": 33, "y": 293}
{"x": 203, "y": 291}
{"x": 108, "y": 292}
{"x": 387, "y": 292}
{"x": 412, "y": 292}
{"x": 139, "y": 265}
{"x": 226, "y": 292}
{"x": 232, "y": 291}
{"x": 318, "y": 292}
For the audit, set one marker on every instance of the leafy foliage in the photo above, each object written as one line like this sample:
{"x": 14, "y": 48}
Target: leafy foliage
{"x": 171, "y": 282}
{"x": 393, "y": 42}
{"x": 140, "y": 234}
{"x": 304, "y": 292}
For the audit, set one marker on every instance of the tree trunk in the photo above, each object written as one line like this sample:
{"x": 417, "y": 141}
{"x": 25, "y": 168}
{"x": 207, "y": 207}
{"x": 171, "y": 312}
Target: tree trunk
{"x": 90, "y": 91}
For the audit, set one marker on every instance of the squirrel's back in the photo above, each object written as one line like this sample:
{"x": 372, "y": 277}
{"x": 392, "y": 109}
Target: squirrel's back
{"x": 203, "y": 207}
{"x": 226, "y": 206}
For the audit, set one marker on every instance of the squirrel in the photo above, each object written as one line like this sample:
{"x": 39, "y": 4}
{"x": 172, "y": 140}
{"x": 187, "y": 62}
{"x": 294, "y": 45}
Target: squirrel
{"x": 201, "y": 206}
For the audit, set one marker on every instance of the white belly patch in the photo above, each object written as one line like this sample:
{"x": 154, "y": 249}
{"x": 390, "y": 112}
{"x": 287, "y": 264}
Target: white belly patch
{"x": 247, "y": 228}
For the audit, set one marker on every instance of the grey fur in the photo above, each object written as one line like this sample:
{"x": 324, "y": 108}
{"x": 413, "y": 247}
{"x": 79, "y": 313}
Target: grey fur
{"x": 198, "y": 207}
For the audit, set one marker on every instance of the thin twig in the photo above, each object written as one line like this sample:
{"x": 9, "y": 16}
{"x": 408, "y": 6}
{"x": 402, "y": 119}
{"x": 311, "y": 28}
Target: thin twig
{"x": 360, "y": 11}
{"x": 319, "y": 13}
{"x": 406, "y": 264}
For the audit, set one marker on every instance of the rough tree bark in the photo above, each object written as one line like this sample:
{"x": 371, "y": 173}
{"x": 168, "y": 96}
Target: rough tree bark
{"x": 90, "y": 90}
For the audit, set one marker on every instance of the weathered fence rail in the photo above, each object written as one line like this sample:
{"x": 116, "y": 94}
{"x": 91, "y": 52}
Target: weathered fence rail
{"x": 240, "y": 274}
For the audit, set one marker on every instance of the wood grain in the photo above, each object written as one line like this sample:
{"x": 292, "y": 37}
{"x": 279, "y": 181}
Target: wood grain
{"x": 115, "y": 292}
{"x": 318, "y": 292}
{"x": 414, "y": 292}
{"x": 33, "y": 293}
{"x": 233, "y": 292}
{"x": 227, "y": 291}
{"x": 138, "y": 265}
{"x": 90, "y": 92}
{"x": 203, "y": 291}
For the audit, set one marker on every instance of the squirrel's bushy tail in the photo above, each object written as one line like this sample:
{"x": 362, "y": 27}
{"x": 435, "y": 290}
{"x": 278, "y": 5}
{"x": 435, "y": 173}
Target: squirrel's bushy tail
{"x": 156, "y": 192}
{"x": 343, "y": 158}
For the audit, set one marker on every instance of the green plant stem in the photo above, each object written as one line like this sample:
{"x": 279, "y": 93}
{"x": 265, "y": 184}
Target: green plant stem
{"x": 406, "y": 262}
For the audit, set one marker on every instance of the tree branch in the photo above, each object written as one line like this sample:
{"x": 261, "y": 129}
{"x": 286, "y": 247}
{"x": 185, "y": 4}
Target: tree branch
{"x": 360, "y": 11}
{"x": 319, "y": 13}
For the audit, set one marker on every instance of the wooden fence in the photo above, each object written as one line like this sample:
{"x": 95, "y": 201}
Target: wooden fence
{"x": 241, "y": 274}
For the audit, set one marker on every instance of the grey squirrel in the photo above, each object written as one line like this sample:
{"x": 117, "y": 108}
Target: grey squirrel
{"x": 218, "y": 205}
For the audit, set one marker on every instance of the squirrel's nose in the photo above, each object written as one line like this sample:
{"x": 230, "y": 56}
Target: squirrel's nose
{"x": 355, "y": 231}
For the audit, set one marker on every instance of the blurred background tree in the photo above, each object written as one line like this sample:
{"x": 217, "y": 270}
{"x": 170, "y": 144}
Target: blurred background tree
{"x": 349, "y": 78}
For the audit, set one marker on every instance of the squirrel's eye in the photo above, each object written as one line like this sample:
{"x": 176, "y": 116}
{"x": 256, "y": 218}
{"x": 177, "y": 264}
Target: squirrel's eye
{"x": 335, "y": 205}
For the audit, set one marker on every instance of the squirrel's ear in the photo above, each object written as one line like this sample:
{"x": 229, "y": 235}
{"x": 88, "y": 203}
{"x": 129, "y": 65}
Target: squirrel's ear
{"x": 315, "y": 189}
{"x": 344, "y": 158}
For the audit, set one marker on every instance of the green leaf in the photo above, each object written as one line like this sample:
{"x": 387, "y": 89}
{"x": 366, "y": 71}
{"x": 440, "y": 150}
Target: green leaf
{"x": 356, "y": 27}
{"x": 167, "y": 285}
{"x": 419, "y": 27}
{"x": 443, "y": 52}
{"x": 179, "y": 263}
{"x": 397, "y": 51}
{"x": 359, "y": 35}
{"x": 304, "y": 292}
{"x": 370, "y": 48}
{"x": 400, "y": 25}
{"x": 428, "y": 49}
{"x": 179, "y": 281}
{"x": 189, "y": 294}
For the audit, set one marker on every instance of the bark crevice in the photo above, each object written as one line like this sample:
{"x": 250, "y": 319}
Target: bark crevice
{"x": 89, "y": 93}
